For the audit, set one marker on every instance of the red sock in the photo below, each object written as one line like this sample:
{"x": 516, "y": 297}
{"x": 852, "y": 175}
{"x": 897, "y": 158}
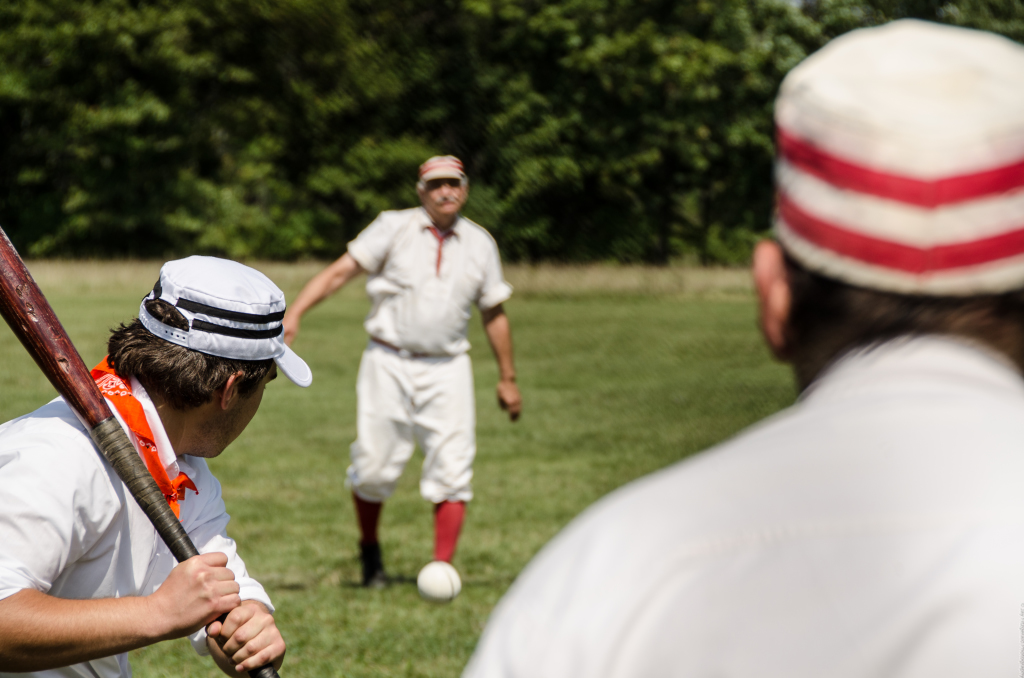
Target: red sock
{"x": 448, "y": 517}
{"x": 368, "y": 514}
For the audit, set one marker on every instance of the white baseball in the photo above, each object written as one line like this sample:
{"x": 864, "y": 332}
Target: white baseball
{"x": 439, "y": 582}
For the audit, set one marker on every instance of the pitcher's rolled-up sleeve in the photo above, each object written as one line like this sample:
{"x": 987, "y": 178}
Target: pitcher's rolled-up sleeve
{"x": 493, "y": 290}
{"x": 206, "y": 522}
{"x": 370, "y": 248}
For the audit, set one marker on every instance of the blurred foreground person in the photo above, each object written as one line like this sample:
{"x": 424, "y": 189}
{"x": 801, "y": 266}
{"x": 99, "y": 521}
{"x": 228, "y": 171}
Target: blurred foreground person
{"x": 876, "y": 528}
{"x": 84, "y": 576}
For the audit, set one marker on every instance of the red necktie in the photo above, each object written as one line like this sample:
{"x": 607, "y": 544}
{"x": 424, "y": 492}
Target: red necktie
{"x": 441, "y": 237}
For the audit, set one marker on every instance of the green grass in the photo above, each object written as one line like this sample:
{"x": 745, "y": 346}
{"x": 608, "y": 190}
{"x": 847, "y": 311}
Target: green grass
{"x": 618, "y": 379}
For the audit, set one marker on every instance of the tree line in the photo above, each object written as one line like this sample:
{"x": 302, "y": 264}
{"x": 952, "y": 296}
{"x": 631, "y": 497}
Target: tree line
{"x": 629, "y": 130}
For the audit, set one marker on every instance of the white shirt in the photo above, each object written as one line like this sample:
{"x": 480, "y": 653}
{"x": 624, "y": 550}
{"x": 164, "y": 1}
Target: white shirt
{"x": 69, "y": 527}
{"x": 876, "y": 528}
{"x": 419, "y": 305}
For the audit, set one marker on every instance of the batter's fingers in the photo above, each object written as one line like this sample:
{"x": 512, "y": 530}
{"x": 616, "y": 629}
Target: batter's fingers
{"x": 259, "y": 652}
{"x": 244, "y": 624}
{"x": 227, "y": 588}
{"x": 222, "y": 574}
{"x": 216, "y": 583}
{"x": 236, "y": 639}
{"x": 223, "y": 602}
{"x": 213, "y": 559}
{"x": 224, "y": 605}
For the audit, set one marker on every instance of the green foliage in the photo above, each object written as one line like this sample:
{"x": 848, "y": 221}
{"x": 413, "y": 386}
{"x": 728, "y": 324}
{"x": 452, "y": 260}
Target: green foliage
{"x": 635, "y": 131}
{"x": 592, "y": 129}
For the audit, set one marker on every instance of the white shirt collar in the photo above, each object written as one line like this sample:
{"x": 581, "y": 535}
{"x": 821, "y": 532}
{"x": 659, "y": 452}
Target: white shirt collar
{"x": 163, "y": 444}
{"x": 945, "y": 358}
{"x": 426, "y": 222}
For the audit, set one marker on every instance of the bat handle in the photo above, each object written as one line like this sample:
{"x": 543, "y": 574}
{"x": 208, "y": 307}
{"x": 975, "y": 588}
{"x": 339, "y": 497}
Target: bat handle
{"x": 119, "y": 451}
{"x": 266, "y": 671}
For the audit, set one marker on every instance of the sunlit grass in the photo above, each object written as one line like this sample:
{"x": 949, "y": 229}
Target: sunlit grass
{"x": 623, "y": 371}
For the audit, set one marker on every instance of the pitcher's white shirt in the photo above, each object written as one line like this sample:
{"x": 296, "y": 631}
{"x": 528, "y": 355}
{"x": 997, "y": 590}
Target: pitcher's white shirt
{"x": 70, "y": 528}
{"x": 876, "y": 528}
{"x": 415, "y": 307}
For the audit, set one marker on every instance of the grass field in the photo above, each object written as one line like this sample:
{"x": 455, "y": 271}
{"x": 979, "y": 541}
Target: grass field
{"x": 623, "y": 371}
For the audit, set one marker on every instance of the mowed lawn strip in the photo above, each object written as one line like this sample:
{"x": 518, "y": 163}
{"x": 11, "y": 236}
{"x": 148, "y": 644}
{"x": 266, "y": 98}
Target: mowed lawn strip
{"x": 617, "y": 380}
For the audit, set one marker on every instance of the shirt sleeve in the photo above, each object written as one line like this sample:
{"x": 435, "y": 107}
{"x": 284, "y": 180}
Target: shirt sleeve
{"x": 206, "y": 521}
{"x": 494, "y": 290}
{"x": 56, "y": 501}
{"x": 370, "y": 248}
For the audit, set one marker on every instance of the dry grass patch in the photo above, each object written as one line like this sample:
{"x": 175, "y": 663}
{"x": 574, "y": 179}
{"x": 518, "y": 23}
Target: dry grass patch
{"x": 643, "y": 280}
{"x": 529, "y": 280}
{"x": 92, "y": 276}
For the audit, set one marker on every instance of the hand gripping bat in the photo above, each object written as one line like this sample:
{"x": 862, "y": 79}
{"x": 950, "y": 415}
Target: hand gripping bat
{"x": 26, "y": 310}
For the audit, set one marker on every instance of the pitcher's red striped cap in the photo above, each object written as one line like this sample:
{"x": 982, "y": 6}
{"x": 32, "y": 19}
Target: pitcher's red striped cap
{"x": 900, "y": 160}
{"x": 442, "y": 167}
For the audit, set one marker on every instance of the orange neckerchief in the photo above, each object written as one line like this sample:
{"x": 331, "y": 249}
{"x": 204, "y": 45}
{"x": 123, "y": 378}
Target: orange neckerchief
{"x": 120, "y": 393}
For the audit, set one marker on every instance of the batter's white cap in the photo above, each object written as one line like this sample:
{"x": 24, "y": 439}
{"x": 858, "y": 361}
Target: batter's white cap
{"x": 442, "y": 167}
{"x": 900, "y": 160}
{"x": 233, "y": 311}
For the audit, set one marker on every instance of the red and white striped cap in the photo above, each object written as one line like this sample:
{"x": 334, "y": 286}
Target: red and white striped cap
{"x": 901, "y": 160}
{"x": 442, "y": 167}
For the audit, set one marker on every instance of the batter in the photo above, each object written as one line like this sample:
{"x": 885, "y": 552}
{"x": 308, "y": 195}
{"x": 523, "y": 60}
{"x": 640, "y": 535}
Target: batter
{"x": 84, "y": 577}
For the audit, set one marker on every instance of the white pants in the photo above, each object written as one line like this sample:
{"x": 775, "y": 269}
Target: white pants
{"x": 403, "y": 401}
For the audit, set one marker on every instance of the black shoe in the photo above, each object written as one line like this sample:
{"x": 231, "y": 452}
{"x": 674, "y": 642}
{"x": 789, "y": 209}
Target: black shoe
{"x": 373, "y": 566}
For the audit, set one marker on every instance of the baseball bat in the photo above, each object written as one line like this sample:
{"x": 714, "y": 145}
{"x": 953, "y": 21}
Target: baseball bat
{"x": 33, "y": 321}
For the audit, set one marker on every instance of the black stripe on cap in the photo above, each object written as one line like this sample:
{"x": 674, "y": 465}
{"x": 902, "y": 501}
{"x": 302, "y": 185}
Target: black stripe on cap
{"x": 223, "y": 314}
{"x": 204, "y": 326}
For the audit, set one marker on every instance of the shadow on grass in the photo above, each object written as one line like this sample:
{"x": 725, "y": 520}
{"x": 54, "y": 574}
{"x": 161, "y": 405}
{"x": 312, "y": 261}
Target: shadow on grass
{"x": 393, "y": 580}
{"x": 403, "y": 580}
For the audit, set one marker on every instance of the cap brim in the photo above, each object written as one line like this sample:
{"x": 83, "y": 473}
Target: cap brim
{"x": 442, "y": 173}
{"x": 294, "y": 367}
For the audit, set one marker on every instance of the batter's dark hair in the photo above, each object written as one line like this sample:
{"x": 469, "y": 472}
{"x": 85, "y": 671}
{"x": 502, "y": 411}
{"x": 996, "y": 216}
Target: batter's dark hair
{"x": 184, "y": 378}
{"x": 829, "y": 318}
